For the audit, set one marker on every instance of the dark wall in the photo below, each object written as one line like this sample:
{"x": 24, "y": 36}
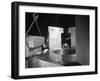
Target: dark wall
{"x": 82, "y": 39}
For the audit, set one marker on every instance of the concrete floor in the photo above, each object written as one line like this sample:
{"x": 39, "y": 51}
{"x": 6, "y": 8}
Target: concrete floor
{"x": 43, "y": 60}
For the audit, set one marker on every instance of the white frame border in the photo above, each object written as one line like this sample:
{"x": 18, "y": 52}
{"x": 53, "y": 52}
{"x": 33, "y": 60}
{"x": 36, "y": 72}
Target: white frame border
{"x": 54, "y": 70}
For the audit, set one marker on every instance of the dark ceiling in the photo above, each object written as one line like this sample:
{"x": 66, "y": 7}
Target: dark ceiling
{"x": 45, "y": 20}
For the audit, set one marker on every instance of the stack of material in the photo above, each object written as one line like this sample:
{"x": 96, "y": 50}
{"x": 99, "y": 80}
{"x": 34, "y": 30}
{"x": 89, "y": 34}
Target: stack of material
{"x": 33, "y": 45}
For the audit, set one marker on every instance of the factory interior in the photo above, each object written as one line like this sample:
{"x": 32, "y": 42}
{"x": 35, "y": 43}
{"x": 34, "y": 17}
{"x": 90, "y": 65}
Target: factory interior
{"x": 54, "y": 40}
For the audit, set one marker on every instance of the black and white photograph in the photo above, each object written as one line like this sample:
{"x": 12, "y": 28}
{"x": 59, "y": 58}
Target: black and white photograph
{"x": 51, "y": 40}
